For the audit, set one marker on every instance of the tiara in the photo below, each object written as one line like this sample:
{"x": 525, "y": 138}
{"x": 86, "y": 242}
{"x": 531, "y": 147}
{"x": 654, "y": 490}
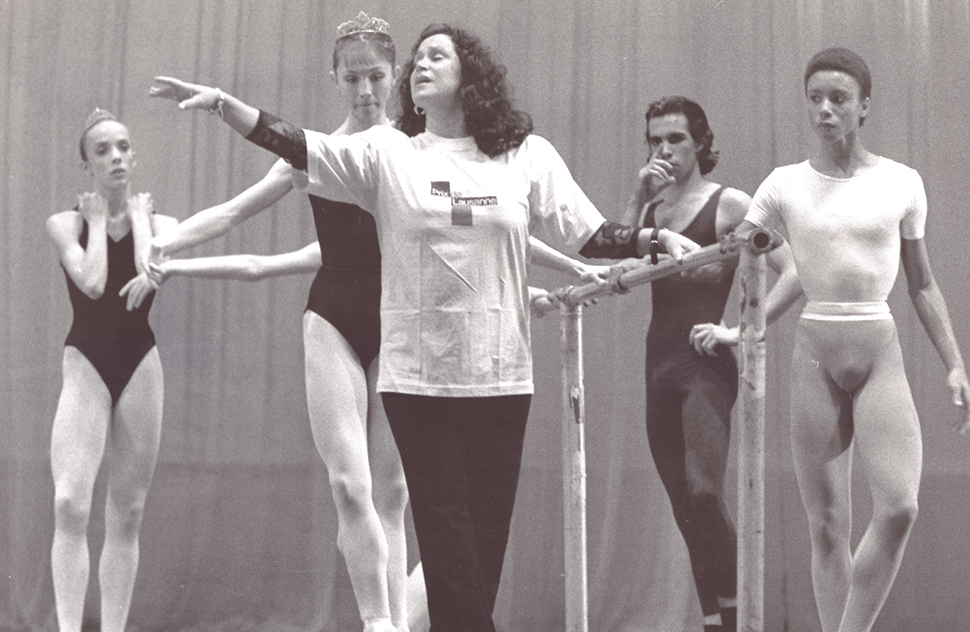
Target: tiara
{"x": 98, "y": 116}
{"x": 363, "y": 23}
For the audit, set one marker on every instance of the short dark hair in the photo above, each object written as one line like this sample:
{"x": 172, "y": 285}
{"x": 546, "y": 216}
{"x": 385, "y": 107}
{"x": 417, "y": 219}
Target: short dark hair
{"x": 485, "y": 95}
{"x": 697, "y": 124}
{"x": 843, "y": 60}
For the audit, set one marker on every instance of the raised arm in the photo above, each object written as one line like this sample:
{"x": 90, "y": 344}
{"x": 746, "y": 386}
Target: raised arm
{"x": 243, "y": 267}
{"x": 267, "y": 131}
{"x": 932, "y": 311}
{"x": 141, "y": 209}
{"x": 651, "y": 180}
{"x": 87, "y": 266}
{"x": 149, "y": 223}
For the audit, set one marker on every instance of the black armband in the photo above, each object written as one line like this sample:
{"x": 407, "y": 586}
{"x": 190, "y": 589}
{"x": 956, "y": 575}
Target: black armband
{"x": 281, "y": 138}
{"x": 612, "y": 241}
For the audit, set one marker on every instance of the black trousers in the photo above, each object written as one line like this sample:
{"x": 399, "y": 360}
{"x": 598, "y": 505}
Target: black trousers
{"x": 461, "y": 458}
{"x": 689, "y": 400}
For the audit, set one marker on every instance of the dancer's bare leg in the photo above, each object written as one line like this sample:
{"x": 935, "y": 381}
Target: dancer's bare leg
{"x": 390, "y": 499}
{"x": 337, "y": 402}
{"x": 133, "y": 442}
{"x": 77, "y": 447}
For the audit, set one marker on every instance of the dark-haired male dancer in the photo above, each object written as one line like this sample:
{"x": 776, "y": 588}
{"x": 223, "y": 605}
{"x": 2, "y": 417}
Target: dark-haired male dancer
{"x": 689, "y": 396}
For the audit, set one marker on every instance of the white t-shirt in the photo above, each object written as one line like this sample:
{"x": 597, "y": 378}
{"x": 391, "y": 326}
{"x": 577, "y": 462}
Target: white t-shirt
{"x": 454, "y": 227}
{"x": 844, "y": 232}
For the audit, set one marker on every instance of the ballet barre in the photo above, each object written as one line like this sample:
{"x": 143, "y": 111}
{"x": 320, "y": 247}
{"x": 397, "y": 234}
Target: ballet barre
{"x": 751, "y": 249}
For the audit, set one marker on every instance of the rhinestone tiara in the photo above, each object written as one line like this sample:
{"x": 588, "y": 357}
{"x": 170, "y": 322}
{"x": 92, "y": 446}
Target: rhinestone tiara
{"x": 363, "y": 23}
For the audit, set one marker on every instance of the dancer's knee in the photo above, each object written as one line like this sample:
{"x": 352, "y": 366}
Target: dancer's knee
{"x": 829, "y": 531}
{"x": 72, "y": 510}
{"x": 123, "y": 518}
{"x": 897, "y": 521}
{"x": 351, "y": 495}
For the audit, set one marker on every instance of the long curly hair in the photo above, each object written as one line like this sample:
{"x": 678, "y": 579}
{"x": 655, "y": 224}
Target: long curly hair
{"x": 485, "y": 95}
{"x": 697, "y": 124}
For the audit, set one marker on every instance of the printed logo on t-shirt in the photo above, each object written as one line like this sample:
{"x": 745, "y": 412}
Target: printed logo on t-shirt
{"x": 461, "y": 205}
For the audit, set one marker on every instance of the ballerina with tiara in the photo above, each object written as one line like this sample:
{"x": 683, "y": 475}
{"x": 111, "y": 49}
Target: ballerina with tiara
{"x": 110, "y": 405}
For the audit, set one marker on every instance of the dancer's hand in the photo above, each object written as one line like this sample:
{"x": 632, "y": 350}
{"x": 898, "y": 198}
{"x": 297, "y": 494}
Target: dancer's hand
{"x": 190, "y": 96}
{"x": 141, "y": 203}
{"x": 706, "y": 336}
{"x": 158, "y": 272}
{"x": 618, "y": 269}
{"x": 93, "y": 207}
{"x": 676, "y": 244}
{"x": 655, "y": 176}
{"x": 137, "y": 290}
{"x": 594, "y": 273}
{"x": 956, "y": 379}
{"x": 155, "y": 259}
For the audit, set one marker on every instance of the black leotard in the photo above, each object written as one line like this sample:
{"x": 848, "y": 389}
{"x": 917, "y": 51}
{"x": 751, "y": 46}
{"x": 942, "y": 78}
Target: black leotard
{"x": 689, "y": 400}
{"x": 113, "y": 339}
{"x": 347, "y": 289}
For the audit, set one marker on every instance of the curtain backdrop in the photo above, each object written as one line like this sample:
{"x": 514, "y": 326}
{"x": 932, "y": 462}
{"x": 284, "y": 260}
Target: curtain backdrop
{"x": 239, "y": 530}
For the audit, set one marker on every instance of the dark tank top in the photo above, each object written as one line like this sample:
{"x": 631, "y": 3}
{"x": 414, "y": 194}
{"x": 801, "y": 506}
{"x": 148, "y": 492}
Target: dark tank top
{"x": 678, "y": 303}
{"x": 107, "y": 319}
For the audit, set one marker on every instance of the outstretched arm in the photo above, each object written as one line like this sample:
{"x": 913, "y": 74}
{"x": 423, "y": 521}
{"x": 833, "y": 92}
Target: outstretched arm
{"x": 264, "y": 129}
{"x": 191, "y": 96}
{"x": 243, "y": 267}
{"x": 548, "y": 257}
{"x": 932, "y": 311}
{"x": 218, "y": 220}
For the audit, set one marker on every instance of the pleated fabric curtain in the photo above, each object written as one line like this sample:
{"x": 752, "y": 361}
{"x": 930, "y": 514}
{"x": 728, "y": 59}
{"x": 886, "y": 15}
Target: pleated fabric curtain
{"x": 240, "y": 532}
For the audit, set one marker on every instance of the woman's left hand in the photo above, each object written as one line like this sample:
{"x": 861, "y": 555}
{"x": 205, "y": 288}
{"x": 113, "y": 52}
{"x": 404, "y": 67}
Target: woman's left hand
{"x": 190, "y": 96}
{"x": 137, "y": 290}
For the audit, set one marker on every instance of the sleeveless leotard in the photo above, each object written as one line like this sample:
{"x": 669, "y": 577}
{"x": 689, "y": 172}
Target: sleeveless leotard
{"x": 113, "y": 339}
{"x": 347, "y": 289}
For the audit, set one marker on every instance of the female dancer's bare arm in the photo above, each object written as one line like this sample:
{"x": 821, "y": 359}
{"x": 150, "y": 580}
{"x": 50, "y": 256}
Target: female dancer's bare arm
{"x": 219, "y": 219}
{"x": 87, "y": 266}
{"x": 243, "y": 267}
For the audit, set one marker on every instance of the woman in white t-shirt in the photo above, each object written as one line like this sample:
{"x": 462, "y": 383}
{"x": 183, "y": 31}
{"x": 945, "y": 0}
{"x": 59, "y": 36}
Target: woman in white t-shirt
{"x": 456, "y": 193}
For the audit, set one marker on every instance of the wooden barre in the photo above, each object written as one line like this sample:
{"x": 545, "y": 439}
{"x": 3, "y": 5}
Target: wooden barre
{"x": 757, "y": 241}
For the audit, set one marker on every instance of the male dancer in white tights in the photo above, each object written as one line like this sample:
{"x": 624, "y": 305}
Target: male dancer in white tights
{"x": 850, "y": 215}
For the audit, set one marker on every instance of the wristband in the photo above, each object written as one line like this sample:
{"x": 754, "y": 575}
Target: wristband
{"x": 654, "y": 245}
